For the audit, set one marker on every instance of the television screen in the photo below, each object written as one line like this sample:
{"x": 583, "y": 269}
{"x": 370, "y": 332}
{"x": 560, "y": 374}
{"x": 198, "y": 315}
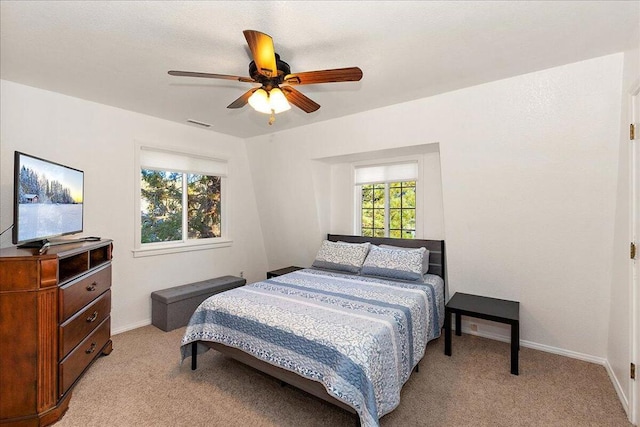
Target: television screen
{"x": 48, "y": 199}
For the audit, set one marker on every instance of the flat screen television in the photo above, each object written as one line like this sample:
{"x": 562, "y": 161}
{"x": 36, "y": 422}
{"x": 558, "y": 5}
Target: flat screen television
{"x": 48, "y": 200}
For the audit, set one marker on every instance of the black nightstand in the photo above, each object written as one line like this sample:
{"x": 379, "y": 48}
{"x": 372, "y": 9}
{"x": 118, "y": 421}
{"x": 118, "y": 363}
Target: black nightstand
{"x": 497, "y": 310}
{"x": 281, "y": 271}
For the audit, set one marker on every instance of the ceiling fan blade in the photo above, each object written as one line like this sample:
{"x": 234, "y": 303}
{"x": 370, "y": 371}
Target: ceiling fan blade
{"x": 264, "y": 54}
{"x": 299, "y": 100}
{"x": 351, "y": 74}
{"x": 243, "y": 100}
{"x": 211, "y": 76}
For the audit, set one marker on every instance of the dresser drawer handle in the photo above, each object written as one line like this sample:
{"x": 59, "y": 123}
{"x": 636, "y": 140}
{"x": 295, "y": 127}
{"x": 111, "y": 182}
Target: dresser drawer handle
{"x": 92, "y": 287}
{"x": 91, "y": 349}
{"x": 93, "y": 317}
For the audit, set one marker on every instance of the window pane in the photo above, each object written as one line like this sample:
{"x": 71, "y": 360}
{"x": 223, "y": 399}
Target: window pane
{"x": 408, "y": 234}
{"x": 395, "y": 219}
{"x": 378, "y": 218}
{"x": 203, "y": 206}
{"x": 161, "y": 206}
{"x": 394, "y": 234}
{"x": 379, "y": 232}
{"x": 395, "y": 197}
{"x": 409, "y": 197}
{"x": 367, "y": 218}
{"x": 409, "y": 219}
{"x": 368, "y": 232}
{"x": 367, "y": 196}
{"x": 378, "y": 201}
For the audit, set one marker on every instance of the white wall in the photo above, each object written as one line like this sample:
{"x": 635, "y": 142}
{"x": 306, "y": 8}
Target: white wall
{"x": 100, "y": 140}
{"x": 619, "y": 345}
{"x": 528, "y": 186}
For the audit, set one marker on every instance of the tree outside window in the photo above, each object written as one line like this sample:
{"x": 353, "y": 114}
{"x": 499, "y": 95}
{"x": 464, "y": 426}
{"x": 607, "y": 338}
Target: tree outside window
{"x": 175, "y": 205}
{"x": 389, "y": 209}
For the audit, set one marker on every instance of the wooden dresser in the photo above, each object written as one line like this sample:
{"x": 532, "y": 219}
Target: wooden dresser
{"x": 54, "y": 322}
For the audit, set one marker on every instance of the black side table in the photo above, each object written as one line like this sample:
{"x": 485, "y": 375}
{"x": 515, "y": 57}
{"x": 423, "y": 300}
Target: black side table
{"x": 281, "y": 271}
{"x": 497, "y": 310}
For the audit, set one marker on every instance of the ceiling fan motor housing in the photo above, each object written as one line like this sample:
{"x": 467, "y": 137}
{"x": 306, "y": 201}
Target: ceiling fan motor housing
{"x": 283, "y": 70}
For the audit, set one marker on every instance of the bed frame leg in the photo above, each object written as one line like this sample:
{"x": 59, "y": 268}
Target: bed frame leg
{"x": 194, "y": 355}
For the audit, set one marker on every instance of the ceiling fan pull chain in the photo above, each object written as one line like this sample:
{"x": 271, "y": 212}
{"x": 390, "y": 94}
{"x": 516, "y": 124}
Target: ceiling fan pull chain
{"x": 272, "y": 119}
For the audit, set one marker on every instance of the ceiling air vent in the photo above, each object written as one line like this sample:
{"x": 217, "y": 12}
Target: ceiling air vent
{"x": 195, "y": 122}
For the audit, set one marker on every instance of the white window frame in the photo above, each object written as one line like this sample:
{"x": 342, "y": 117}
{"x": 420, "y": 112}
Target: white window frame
{"x": 357, "y": 223}
{"x": 194, "y": 161}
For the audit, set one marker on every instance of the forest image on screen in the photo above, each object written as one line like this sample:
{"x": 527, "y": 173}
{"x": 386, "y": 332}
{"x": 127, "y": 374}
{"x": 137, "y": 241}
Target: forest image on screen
{"x": 50, "y": 199}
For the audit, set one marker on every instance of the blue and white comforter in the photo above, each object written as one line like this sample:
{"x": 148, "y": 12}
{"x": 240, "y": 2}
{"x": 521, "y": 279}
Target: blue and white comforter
{"x": 359, "y": 336}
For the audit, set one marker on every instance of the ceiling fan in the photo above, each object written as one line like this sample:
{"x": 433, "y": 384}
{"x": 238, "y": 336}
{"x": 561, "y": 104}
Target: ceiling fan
{"x": 275, "y": 79}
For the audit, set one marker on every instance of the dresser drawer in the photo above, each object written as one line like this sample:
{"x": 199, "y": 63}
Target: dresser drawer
{"x": 82, "y": 291}
{"x": 77, "y": 361}
{"x": 79, "y": 326}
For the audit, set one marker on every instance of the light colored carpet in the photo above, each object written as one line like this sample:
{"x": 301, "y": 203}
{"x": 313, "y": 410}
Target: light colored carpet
{"x": 143, "y": 384}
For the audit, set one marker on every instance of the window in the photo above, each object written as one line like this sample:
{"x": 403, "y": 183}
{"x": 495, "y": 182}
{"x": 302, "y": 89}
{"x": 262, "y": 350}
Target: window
{"x": 163, "y": 198}
{"x": 386, "y": 197}
{"x": 181, "y": 200}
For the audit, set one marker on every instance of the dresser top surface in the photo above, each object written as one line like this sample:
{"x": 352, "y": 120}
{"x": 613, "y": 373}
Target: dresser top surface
{"x": 57, "y": 251}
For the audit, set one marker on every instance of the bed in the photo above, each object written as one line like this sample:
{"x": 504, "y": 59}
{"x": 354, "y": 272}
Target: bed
{"x": 348, "y": 334}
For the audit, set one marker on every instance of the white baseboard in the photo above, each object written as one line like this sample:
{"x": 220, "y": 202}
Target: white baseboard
{"x": 131, "y": 326}
{"x": 618, "y": 388}
{"x": 541, "y": 347}
{"x": 564, "y": 352}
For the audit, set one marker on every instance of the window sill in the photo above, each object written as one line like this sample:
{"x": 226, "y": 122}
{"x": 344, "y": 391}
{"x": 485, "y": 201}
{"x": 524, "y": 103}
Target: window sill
{"x": 163, "y": 249}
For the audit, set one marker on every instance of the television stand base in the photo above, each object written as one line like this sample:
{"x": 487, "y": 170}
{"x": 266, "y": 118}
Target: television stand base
{"x": 37, "y": 244}
{"x": 44, "y": 244}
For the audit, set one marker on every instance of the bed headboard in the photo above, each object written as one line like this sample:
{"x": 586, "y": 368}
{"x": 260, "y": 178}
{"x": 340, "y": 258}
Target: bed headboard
{"x": 437, "y": 258}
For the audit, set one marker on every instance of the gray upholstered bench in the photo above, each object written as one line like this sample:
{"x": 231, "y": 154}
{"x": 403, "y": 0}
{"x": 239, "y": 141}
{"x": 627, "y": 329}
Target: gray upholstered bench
{"x": 172, "y": 308}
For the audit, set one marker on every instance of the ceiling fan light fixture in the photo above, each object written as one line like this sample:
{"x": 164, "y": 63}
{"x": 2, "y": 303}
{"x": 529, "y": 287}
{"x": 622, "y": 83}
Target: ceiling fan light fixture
{"x": 259, "y": 100}
{"x": 270, "y": 102}
{"x": 278, "y": 101}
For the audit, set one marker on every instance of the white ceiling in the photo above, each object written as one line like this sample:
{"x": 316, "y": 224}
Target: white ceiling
{"x": 118, "y": 53}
